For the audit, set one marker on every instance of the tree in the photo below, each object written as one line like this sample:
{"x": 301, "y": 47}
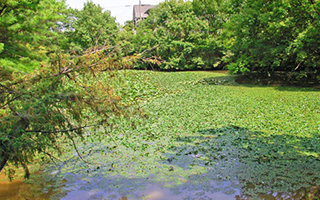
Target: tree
{"x": 272, "y": 36}
{"x": 180, "y": 39}
{"x": 59, "y": 101}
{"x": 92, "y": 26}
{"x": 29, "y": 31}
{"x": 305, "y": 47}
{"x": 60, "y": 98}
{"x": 211, "y": 11}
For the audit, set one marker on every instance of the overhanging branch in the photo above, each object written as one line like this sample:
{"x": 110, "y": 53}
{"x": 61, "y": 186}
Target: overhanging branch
{"x": 4, "y": 7}
{"x": 62, "y": 131}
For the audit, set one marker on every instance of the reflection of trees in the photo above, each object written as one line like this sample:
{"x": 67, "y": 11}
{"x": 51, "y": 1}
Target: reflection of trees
{"x": 265, "y": 166}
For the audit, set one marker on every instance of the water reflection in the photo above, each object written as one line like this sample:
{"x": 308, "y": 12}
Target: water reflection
{"x": 126, "y": 189}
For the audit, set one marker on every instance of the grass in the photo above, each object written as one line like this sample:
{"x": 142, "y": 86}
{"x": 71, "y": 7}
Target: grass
{"x": 203, "y": 133}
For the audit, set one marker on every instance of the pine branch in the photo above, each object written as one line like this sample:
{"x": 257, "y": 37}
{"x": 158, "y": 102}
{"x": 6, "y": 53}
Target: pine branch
{"x": 62, "y": 131}
{"x": 11, "y": 100}
{"x": 2, "y": 10}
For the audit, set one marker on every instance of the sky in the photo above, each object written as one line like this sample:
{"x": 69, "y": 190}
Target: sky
{"x": 121, "y": 9}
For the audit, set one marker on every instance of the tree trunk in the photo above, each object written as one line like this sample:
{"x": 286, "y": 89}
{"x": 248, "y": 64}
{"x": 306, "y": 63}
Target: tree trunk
{"x": 3, "y": 160}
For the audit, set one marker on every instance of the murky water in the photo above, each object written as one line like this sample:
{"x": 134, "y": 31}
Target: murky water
{"x": 99, "y": 186}
{"x": 149, "y": 191}
{"x": 213, "y": 165}
{"x": 19, "y": 190}
{"x": 152, "y": 193}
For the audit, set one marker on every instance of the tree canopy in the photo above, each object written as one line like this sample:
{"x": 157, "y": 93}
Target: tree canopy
{"x": 275, "y": 35}
{"x": 29, "y": 30}
{"x": 61, "y": 94}
{"x": 242, "y": 36}
{"x": 180, "y": 39}
{"x": 92, "y": 26}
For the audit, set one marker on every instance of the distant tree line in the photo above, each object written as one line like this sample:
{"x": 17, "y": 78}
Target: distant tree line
{"x": 241, "y": 36}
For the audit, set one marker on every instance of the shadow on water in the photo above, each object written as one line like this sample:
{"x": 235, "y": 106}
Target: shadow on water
{"x": 104, "y": 183}
{"x": 235, "y": 80}
{"x": 226, "y": 163}
{"x": 260, "y": 166}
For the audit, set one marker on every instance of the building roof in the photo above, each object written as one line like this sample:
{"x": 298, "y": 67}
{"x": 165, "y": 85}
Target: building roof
{"x": 144, "y": 10}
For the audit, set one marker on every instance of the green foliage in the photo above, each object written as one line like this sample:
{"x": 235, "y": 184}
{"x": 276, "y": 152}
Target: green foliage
{"x": 211, "y": 11}
{"x": 246, "y": 35}
{"x": 135, "y": 86}
{"x": 92, "y": 26}
{"x": 274, "y": 36}
{"x": 260, "y": 142}
{"x": 29, "y": 31}
{"x": 21, "y": 65}
{"x": 128, "y": 26}
{"x": 178, "y": 39}
{"x": 1, "y": 47}
{"x": 42, "y": 108}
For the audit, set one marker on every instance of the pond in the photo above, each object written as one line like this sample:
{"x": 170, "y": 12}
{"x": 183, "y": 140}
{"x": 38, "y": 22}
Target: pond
{"x": 213, "y": 165}
{"x": 200, "y": 141}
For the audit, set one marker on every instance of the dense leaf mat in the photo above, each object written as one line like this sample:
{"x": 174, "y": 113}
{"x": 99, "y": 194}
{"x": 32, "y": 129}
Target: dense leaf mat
{"x": 197, "y": 140}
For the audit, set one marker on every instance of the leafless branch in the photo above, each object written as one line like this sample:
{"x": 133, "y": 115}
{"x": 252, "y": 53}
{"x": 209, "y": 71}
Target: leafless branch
{"x": 75, "y": 147}
{"x": 298, "y": 66}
